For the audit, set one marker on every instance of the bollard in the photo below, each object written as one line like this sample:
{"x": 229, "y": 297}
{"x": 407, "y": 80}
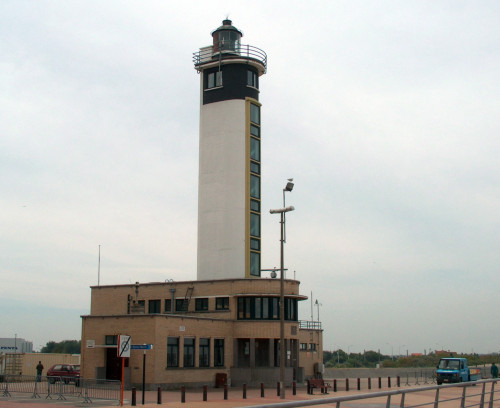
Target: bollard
{"x": 244, "y": 391}
{"x": 294, "y": 388}
{"x": 399, "y": 381}
{"x": 183, "y": 394}
{"x": 335, "y": 385}
{"x": 278, "y": 389}
{"x": 134, "y": 396}
{"x": 369, "y": 383}
{"x": 158, "y": 399}
{"x": 204, "y": 393}
{"x": 389, "y": 382}
{"x": 225, "y": 391}
{"x": 359, "y": 384}
{"x": 347, "y": 384}
{"x": 262, "y": 390}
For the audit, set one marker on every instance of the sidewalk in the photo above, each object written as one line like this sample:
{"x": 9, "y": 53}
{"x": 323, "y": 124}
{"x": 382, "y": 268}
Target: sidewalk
{"x": 194, "y": 399}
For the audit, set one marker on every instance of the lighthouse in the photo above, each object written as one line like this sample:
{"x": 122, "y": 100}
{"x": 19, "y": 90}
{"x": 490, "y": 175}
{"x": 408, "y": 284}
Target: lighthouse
{"x": 229, "y": 186}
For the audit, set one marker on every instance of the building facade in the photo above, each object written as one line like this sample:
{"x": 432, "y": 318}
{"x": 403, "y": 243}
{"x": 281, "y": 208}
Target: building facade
{"x": 199, "y": 329}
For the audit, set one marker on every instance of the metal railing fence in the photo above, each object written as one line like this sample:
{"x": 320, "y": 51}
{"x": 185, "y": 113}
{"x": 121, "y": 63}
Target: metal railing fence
{"x": 60, "y": 388}
{"x": 469, "y": 397}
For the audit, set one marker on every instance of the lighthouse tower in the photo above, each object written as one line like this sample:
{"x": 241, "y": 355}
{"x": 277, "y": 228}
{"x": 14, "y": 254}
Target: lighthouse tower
{"x": 229, "y": 190}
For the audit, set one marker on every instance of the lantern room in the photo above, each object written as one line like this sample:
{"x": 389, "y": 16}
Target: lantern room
{"x": 226, "y": 37}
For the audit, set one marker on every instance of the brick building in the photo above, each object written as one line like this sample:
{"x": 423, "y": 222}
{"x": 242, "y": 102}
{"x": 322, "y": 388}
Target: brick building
{"x": 199, "y": 329}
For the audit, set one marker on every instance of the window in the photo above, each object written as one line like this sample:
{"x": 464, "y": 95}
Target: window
{"x": 254, "y": 167}
{"x": 254, "y": 186}
{"x": 111, "y": 340}
{"x": 219, "y": 352}
{"x": 267, "y": 308}
{"x": 255, "y": 205}
{"x": 168, "y": 305}
{"x": 255, "y": 114}
{"x": 254, "y": 263}
{"x": 254, "y": 225}
{"x": 201, "y": 304}
{"x": 312, "y": 346}
{"x": 255, "y": 130}
{"x": 252, "y": 79}
{"x": 204, "y": 352}
{"x": 188, "y": 352}
{"x": 214, "y": 79}
{"x": 222, "y": 303}
{"x": 254, "y": 149}
{"x": 173, "y": 352}
{"x": 154, "y": 306}
{"x": 181, "y": 305}
{"x": 303, "y": 346}
{"x": 255, "y": 244}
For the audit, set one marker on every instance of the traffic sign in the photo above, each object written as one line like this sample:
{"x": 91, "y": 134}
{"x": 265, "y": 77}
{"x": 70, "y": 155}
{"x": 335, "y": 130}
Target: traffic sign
{"x": 141, "y": 347}
{"x": 124, "y": 346}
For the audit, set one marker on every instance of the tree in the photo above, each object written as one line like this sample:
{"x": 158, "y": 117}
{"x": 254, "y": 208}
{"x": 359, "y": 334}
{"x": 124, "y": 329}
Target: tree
{"x": 63, "y": 347}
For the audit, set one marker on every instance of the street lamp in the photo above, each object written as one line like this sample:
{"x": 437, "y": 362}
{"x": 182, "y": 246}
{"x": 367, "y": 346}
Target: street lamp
{"x": 282, "y": 211}
{"x": 288, "y": 187}
{"x": 318, "y": 305}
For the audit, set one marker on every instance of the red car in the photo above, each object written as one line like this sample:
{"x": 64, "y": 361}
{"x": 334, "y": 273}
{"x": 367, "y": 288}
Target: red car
{"x": 64, "y": 372}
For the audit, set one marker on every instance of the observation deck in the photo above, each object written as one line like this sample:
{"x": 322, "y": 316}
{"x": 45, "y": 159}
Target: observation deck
{"x": 230, "y": 53}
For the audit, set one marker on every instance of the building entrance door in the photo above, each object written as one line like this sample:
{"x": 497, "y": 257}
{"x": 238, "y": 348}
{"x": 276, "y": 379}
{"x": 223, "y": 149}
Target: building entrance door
{"x": 113, "y": 365}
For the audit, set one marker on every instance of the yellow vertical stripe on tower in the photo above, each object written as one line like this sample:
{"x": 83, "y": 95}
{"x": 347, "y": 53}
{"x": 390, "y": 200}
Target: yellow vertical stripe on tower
{"x": 249, "y": 101}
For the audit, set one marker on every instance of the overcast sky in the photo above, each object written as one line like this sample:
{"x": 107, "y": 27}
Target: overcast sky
{"x": 385, "y": 113}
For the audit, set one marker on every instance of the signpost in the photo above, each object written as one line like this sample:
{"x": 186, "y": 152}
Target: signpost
{"x": 123, "y": 350}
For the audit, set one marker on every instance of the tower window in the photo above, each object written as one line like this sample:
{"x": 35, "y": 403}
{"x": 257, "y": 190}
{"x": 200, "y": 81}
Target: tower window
{"x": 255, "y": 244}
{"x": 255, "y": 205}
{"x": 255, "y": 149}
{"x": 214, "y": 79}
{"x": 255, "y": 130}
{"x": 254, "y": 186}
{"x": 255, "y": 225}
{"x": 254, "y": 263}
{"x": 255, "y": 114}
{"x": 252, "y": 79}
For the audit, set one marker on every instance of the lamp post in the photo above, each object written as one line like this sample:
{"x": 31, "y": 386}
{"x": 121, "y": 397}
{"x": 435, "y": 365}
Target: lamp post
{"x": 318, "y": 305}
{"x": 282, "y": 211}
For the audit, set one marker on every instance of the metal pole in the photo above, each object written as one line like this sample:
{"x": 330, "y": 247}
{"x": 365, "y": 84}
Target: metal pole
{"x": 143, "y": 376}
{"x": 282, "y": 316}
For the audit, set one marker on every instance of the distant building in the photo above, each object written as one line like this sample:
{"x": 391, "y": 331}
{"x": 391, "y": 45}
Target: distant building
{"x": 226, "y": 324}
{"x": 15, "y": 345}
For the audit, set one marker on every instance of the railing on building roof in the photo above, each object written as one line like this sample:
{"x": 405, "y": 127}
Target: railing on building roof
{"x": 309, "y": 324}
{"x": 209, "y": 54}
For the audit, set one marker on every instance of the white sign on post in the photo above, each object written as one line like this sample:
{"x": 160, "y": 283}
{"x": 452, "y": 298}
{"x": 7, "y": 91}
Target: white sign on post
{"x": 124, "y": 344}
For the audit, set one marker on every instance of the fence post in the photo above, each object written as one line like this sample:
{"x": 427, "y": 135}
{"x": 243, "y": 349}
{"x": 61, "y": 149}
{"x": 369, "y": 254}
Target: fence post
{"x": 244, "y": 391}
{"x": 379, "y": 382}
{"x": 398, "y": 381}
{"x": 335, "y": 385}
{"x": 347, "y": 384}
{"x": 389, "y": 382}
{"x": 369, "y": 383}
{"x": 134, "y": 397}
{"x": 262, "y": 390}
{"x": 278, "y": 389}
{"x": 204, "y": 393}
{"x": 225, "y": 391}
{"x": 492, "y": 394}
{"x": 294, "y": 388}
{"x": 158, "y": 398}
{"x": 359, "y": 384}
{"x": 183, "y": 394}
